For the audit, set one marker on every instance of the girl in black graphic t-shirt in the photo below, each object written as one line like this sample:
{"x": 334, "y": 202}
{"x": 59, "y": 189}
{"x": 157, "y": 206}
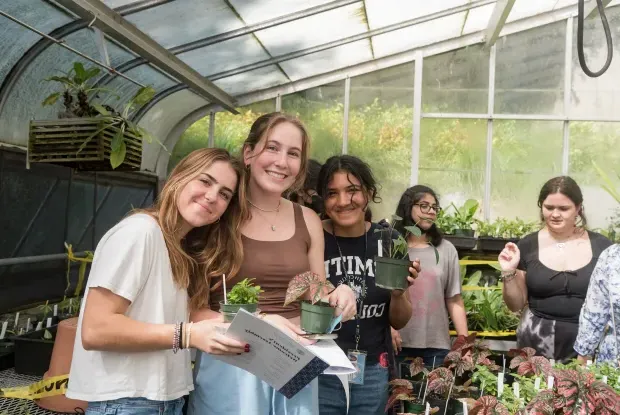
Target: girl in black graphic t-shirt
{"x": 346, "y": 185}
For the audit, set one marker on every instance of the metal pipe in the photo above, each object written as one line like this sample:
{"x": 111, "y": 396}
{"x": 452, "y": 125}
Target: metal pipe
{"x": 62, "y": 44}
{"x": 345, "y": 121}
{"x": 4, "y": 262}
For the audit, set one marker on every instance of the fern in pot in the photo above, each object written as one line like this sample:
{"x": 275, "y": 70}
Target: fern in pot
{"x": 243, "y": 295}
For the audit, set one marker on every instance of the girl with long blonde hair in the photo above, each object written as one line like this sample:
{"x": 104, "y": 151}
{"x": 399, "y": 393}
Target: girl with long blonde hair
{"x": 132, "y": 345}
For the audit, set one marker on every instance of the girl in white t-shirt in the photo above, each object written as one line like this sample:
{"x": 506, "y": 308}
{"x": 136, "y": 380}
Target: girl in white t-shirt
{"x": 146, "y": 270}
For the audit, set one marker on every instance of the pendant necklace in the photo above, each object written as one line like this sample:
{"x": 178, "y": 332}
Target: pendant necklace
{"x": 277, "y": 210}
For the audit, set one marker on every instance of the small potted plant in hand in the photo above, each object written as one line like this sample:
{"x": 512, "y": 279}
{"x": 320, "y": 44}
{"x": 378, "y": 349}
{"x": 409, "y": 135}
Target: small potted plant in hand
{"x": 393, "y": 260}
{"x": 316, "y": 315}
{"x": 243, "y": 295}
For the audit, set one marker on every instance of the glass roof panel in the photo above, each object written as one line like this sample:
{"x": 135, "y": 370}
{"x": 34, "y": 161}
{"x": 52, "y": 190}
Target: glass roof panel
{"x": 24, "y": 101}
{"x": 386, "y": 12}
{"x": 252, "y": 80}
{"x": 15, "y": 40}
{"x": 328, "y": 60}
{"x": 118, "y": 3}
{"x": 160, "y": 120}
{"x": 125, "y": 89}
{"x": 226, "y": 55}
{"x": 252, "y": 11}
{"x": 522, "y": 9}
{"x": 478, "y": 19}
{"x": 314, "y": 30}
{"x": 182, "y": 21}
{"x": 418, "y": 35}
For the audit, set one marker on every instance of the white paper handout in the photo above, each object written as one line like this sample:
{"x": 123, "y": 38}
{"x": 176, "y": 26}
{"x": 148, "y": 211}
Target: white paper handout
{"x": 333, "y": 355}
{"x": 274, "y": 357}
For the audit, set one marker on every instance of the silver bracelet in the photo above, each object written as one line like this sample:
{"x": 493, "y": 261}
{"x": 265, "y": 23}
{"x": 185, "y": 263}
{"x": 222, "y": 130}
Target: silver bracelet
{"x": 508, "y": 276}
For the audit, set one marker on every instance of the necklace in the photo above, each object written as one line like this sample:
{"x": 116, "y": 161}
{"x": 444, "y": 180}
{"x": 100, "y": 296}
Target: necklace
{"x": 266, "y": 210}
{"x": 277, "y": 210}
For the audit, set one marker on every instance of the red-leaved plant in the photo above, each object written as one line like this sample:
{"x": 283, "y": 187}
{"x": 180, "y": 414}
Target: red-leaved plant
{"x": 541, "y": 404}
{"x": 307, "y": 281}
{"x": 489, "y": 405}
{"x": 473, "y": 352}
{"x": 459, "y": 362}
{"x": 417, "y": 366}
{"x": 527, "y": 363}
{"x": 401, "y": 390}
{"x": 440, "y": 380}
{"x": 577, "y": 392}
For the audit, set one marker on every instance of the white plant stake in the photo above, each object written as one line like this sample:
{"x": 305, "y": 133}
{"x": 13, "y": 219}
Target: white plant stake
{"x": 3, "y": 331}
{"x": 537, "y": 384}
{"x": 224, "y": 285}
{"x": 379, "y": 248}
{"x": 55, "y": 310}
{"x": 550, "y": 382}
{"x": 49, "y": 322}
{"x": 16, "y": 319}
{"x": 28, "y": 325}
{"x": 515, "y": 389}
{"x": 39, "y": 326}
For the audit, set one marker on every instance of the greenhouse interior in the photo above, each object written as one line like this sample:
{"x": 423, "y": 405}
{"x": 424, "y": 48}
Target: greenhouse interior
{"x": 482, "y": 101}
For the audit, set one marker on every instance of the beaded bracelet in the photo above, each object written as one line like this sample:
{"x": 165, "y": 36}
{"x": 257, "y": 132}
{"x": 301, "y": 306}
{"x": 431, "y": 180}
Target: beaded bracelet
{"x": 509, "y": 276}
{"x": 176, "y": 337}
{"x": 181, "y": 345}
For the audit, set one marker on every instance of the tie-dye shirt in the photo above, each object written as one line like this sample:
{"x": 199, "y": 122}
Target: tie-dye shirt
{"x": 596, "y": 324}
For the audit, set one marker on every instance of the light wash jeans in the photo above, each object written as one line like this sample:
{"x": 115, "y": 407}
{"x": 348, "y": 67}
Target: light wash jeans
{"x": 367, "y": 399}
{"x": 222, "y": 389}
{"x": 136, "y": 406}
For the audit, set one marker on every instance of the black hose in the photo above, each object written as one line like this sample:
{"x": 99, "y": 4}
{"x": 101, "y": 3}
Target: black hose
{"x": 610, "y": 50}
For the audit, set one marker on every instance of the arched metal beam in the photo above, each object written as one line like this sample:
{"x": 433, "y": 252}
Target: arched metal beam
{"x": 35, "y": 50}
{"x": 212, "y": 40}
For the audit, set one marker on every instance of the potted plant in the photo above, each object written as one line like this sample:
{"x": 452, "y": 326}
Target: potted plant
{"x": 458, "y": 226}
{"x": 88, "y": 136}
{"x": 244, "y": 295}
{"x": 392, "y": 266}
{"x": 493, "y": 236}
{"x": 316, "y": 315}
{"x": 489, "y": 405}
{"x": 402, "y": 390}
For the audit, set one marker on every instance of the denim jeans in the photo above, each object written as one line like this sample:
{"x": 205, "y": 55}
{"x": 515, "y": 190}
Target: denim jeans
{"x": 136, "y": 406}
{"x": 431, "y": 356}
{"x": 367, "y": 399}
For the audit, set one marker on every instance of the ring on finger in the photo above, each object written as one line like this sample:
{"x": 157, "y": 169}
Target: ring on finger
{"x": 339, "y": 306}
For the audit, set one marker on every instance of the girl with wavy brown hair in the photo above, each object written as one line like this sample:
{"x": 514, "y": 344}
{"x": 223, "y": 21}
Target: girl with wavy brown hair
{"x": 146, "y": 270}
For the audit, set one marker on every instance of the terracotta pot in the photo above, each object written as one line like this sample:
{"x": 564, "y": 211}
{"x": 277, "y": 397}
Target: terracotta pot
{"x": 61, "y": 365}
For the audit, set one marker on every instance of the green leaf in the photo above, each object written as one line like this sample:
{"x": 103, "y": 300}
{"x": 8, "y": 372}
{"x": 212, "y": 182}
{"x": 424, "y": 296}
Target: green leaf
{"x": 117, "y": 157}
{"x": 117, "y": 140}
{"x": 61, "y": 79}
{"x": 47, "y": 335}
{"x": 436, "y": 254}
{"x": 92, "y": 72}
{"x": 396, "y": 217}
{"x": 51, "y": 100}
{"x": 101, "y": 110}
{"x": 414, "y": 230}
{"x": 80, "y": 72}
{"x": 144, "y": 95}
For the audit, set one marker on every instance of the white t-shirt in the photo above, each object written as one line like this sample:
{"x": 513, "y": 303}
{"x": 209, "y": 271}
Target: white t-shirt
{"x": 132, "y": 261}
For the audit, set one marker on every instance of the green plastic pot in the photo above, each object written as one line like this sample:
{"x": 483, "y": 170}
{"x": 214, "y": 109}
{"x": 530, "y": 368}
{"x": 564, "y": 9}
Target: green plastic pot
{"x": 316, "y": 318}
{"x": 392, "y": 273}
{"x": 229, "y": 311}
{"x": 414, "y": 408}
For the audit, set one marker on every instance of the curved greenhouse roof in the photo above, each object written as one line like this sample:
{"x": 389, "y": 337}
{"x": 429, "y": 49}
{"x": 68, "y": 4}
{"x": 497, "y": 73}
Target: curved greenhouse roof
{"x": 208, "y": 55}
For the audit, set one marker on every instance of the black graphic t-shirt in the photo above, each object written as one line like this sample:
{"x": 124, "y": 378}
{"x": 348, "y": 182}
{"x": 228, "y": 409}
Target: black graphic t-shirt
{"x": 374, "y": 321}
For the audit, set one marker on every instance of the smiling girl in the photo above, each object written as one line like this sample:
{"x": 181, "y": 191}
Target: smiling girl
{"x": 549, "y": 271}
{"x": 134, "y": 316}
{"x": 280, "y": 239}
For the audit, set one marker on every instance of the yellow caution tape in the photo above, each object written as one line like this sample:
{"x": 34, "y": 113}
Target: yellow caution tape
{"x": 476, "y": 288}
{"x": 53, "y": 386}
{"x": 489, "y": 333}
{"x": 477, "y": 262}
{"x": 83, "y": 263}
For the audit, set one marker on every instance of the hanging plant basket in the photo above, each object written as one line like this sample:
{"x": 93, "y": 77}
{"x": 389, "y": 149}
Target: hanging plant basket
{"x": 59, "y": 142}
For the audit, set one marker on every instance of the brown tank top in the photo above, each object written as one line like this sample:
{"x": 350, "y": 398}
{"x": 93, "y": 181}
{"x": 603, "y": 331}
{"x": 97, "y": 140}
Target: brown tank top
{"x": 273, "y": 264}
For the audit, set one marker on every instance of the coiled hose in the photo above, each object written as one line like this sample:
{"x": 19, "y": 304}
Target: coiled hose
{"x": 580, "y": 53}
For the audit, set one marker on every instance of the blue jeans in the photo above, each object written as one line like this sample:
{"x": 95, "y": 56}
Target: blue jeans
{"x": 367, "y": 399}
{"x": 431, "y": 356}
{"x": 135, "y": 406}
{"x": 222, "y": 389}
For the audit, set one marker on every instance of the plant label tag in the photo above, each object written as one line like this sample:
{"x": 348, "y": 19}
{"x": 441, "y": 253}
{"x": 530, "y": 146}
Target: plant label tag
{"x": 604, "y": 379}
{"x": 379, "y": 248}
{"x": 427, "y": 411}
{"x": 16, "y": 319}
{"x": 39, "y": 326}
{"x": 465, "y": 409}
{"x": 500, "y": 384}
{"x": 552, "y": 361}
{"x": 358, "y": 360}
{"x": 3, "y": 331}
{"x": 49, "y": 322}
{"x": 550, "y": 382}
{"x": 537, "y": 384}
{"x": 515, "y": 389}
{"x": 588, "y": 362}
{"x": 55, "y": 310}
{"x": 28, "y": 325}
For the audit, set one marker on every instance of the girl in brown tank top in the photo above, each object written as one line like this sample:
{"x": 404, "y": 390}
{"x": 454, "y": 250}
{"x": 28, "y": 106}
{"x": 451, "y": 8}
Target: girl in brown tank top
{"x": 280, "y": 239}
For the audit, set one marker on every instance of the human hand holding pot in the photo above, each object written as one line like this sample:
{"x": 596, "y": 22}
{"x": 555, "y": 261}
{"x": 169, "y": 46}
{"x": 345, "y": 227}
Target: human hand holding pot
{"x": 343, "y": 299}
{"x": 208, "y": 336}
{"x": 290, "y": 328}
{"x": 414, "y": 270}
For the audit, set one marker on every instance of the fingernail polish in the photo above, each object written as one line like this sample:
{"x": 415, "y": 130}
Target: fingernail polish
{"x": 247, "y": 348}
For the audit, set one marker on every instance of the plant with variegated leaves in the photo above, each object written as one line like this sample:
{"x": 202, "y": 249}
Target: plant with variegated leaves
{"x": 401, "y": 390}
{"x": 440, "y": 380}
{"x": 417, "y": 366}
{"x": 310, "y": 282}
{"x": 459, "y": 362}
{"x": 489, "y": 405}
{"x": 527, "y": 363}
{"x": 577, "y": 392}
